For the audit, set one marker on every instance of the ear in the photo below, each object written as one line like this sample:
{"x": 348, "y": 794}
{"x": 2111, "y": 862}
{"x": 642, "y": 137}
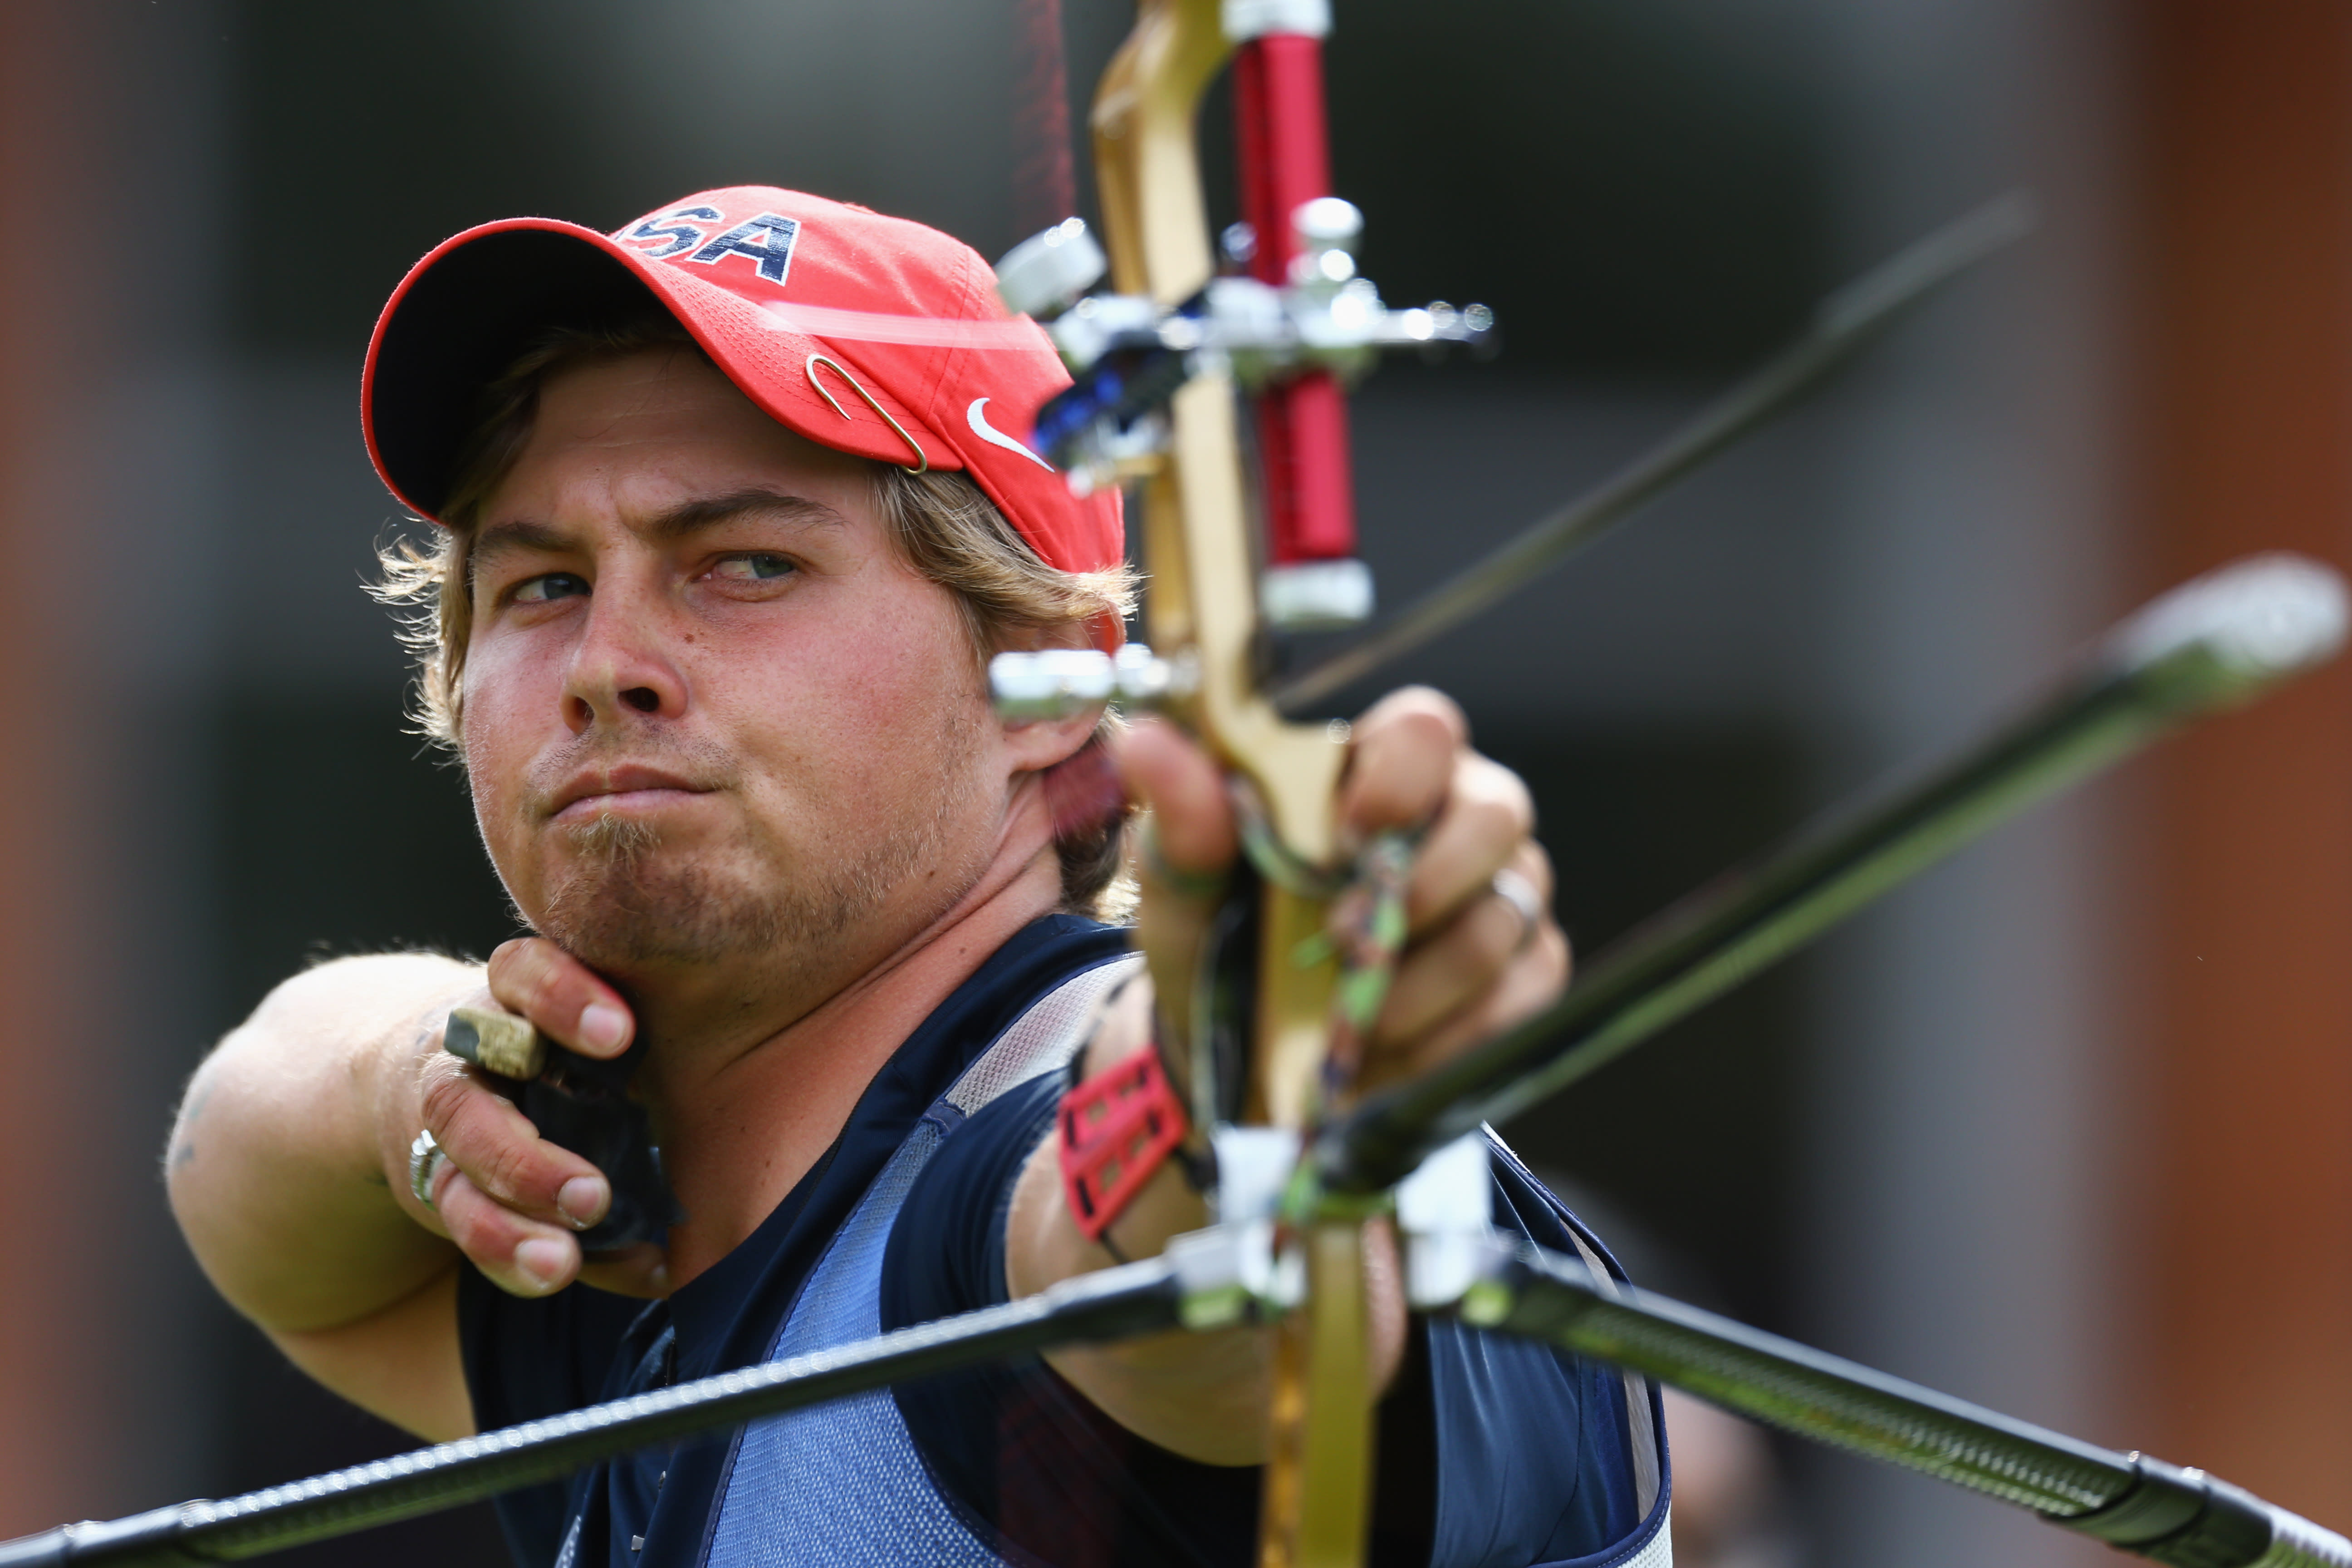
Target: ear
{"x": 1037, "y": 744}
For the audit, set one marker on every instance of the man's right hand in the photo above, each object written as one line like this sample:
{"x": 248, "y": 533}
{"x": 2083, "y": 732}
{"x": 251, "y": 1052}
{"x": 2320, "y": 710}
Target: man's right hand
{"x": 510, "y": 1200}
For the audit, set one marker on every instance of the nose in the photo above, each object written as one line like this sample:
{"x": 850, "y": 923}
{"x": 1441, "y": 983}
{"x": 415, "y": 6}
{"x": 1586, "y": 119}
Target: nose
{"x": 622, "y": 666}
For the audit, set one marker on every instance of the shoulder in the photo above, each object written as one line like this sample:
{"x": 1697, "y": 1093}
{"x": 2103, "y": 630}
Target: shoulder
{"x": 1525, "y": 1205}
{"x": 946, "y": 1248}
{"x": 1544, "y": 1456}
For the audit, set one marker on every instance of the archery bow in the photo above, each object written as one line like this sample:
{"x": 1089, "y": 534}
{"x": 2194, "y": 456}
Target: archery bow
{"x": 1155, "y": 361}
{"x": 1201, "y": 616}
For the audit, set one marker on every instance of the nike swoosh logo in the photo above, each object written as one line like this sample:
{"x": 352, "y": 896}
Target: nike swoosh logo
{"x": 995, "y": 437}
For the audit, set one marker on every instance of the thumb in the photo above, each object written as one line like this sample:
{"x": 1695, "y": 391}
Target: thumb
{"x": 1192, "y": 835}
{"x": 1186, "y": 847}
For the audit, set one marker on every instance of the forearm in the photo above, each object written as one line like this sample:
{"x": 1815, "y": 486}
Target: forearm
{"x": 285, "y": 1167}
{"x": 1203, "y": 1395}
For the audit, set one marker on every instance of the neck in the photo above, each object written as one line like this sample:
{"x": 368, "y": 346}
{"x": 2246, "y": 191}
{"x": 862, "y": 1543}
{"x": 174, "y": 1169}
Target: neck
{"x": 744, "y": 1121}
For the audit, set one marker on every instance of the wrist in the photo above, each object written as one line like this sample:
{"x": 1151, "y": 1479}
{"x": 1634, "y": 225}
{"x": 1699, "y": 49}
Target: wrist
{"x": 1125, "y": 1146}
{"x": 1132, "y": 1023}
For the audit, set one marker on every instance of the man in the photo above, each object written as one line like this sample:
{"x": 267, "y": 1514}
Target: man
{"x": 735, "y": 510}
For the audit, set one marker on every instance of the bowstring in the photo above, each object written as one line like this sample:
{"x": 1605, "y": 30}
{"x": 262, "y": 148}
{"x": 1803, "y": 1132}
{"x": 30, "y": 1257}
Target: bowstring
{"x": 1044, "y": 178}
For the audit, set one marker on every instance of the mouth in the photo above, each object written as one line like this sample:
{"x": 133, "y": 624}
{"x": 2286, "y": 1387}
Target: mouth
{"x": 628, "y": 791}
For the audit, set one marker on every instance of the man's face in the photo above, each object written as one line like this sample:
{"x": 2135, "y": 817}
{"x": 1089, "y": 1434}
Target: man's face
{"x": 714, "y": 722}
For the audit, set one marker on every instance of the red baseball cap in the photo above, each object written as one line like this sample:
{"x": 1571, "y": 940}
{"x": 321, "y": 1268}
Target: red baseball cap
{"x": 865, "y": 333}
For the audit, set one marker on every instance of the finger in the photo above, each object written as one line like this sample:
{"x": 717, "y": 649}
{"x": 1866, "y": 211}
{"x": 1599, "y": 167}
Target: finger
{"x": 1454, "y": 965}
{"x": 1529, "y": 984}
{"x": 1186, "y": 846}
{"x": 502, "y": 1154}
{"x": 521, "y": 1256}
{"x": 1401, "y": 759}
{"x": 533, "y": 977}
{"x": 1388, "y": 1319}
{"x": 1192, "y": 830}
{"x": 1483, "y": 825}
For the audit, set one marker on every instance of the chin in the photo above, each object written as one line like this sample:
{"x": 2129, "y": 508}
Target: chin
{"x": 637, "y": 897}
{"x": 649, "y": 910}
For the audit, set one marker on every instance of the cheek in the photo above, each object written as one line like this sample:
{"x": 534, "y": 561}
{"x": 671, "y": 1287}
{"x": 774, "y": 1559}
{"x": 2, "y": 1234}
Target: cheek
{"x": 492, "y": 780}
{"x": 498, "y": 742}
{"x": 869, "y": 717}
{"x": 915, "y": 686}
{"x": 513, "y": 696}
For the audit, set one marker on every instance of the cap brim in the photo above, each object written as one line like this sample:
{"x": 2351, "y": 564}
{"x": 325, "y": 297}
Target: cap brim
{"x": 478, "y": 303}
{"x": 459, "y": 319}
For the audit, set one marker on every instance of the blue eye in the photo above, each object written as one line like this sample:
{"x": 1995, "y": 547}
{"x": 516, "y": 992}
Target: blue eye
{"x": 758, "y": 567}
{"x": 552, "y": 585}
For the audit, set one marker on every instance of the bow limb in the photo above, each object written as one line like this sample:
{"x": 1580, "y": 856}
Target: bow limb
{"x": 1203, "y": 600}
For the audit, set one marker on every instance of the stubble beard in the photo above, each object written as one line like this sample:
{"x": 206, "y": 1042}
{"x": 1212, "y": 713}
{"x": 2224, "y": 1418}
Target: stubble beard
{"x": 626, "y": 907}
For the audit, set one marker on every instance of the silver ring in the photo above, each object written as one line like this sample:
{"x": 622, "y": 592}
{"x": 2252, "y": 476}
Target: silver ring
{"x": 425, "y": 1157}
{"x": 1520, "y": 894}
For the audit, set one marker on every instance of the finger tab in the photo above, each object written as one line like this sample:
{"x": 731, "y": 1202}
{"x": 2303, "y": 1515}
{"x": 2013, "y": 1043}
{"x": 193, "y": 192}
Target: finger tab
{"x": 496, "y": 1042}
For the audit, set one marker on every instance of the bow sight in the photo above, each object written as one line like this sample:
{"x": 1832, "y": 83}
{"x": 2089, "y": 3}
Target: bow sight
{"x": 1127, "y": 357}
{"x": 1287, "y": 318}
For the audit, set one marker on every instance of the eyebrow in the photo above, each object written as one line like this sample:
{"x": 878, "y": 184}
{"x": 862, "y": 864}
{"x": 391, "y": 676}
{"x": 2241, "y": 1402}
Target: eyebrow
{"x": 680, "y": 521}
{"x": 691, "y": 517}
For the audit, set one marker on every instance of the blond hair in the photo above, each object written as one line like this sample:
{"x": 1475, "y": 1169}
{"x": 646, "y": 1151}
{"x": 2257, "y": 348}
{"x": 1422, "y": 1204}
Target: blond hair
{"x": 943, "y": 524}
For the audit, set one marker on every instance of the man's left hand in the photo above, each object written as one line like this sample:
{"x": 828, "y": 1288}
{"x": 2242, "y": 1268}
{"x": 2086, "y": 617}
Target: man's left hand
{"x": 1478, "y": 956}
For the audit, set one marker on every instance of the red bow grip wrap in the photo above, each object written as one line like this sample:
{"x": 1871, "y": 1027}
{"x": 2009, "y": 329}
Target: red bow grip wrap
{"x": 1302, "y": 423}
{"x": 1116, "y": 1129}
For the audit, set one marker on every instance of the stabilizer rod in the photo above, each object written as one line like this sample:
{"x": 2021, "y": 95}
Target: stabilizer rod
{"x": 2211, "y": 644}
{"x": 1116, "y": 1303}
{"x": 2128, "y": 1500}
{"x": 2143, "y": 1505}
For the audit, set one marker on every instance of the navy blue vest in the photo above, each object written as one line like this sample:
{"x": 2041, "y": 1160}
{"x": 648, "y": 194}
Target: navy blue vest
{"x": 843, "y": 1484}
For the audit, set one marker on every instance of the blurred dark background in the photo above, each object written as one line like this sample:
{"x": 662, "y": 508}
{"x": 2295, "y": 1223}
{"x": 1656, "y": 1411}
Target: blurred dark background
{"x": 1983, "y": 1138}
